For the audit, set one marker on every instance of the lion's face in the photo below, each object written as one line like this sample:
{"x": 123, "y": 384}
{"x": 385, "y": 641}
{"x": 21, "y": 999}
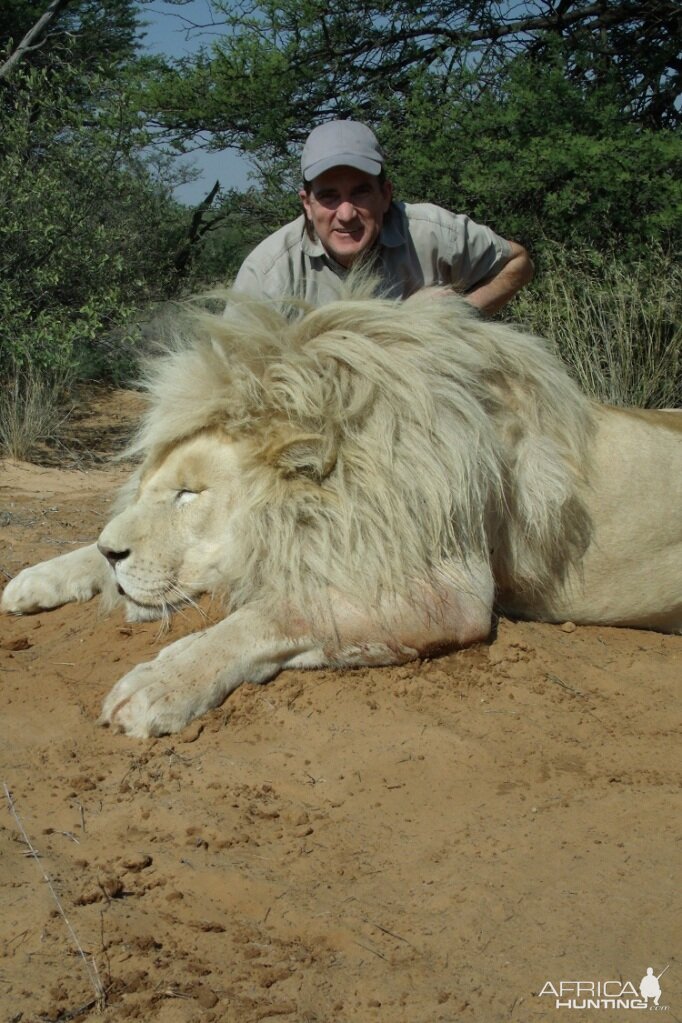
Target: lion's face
{"x": 173, "y": 542}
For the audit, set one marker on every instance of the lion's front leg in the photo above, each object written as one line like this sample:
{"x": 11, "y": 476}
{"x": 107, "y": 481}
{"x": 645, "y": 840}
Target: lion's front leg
{"x": 73, "y": 577}
{"x": 196, "y": 673}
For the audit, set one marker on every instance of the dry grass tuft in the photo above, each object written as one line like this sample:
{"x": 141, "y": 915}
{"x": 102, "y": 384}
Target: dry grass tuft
{"x": 32, "y": 409}
{"x": 617, "y": 325}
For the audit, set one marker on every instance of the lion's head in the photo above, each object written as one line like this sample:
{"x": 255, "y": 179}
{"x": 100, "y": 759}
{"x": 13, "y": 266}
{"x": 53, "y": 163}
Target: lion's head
{"x": 172, "y": 542}
{"x": 360, "y": 447}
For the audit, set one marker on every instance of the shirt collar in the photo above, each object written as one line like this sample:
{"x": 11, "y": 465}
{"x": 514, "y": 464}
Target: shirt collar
{"x": 311, "y": 246}
{"x": 392, "y": 232}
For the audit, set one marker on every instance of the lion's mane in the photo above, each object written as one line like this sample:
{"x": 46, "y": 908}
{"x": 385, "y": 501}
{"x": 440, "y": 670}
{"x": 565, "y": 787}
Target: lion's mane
{"x": 384, "y": 439}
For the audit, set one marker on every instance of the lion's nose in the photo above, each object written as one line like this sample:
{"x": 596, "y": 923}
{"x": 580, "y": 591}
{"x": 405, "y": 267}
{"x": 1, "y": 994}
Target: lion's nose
{"x": 112, "y": 556}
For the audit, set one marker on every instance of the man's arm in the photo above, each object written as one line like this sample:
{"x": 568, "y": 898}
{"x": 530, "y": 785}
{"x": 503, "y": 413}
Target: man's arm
{"x": 494, "y": 293}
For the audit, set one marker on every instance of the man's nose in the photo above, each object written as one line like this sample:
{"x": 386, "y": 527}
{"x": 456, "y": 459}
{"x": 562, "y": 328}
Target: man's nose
{"x": 346, "y": 210}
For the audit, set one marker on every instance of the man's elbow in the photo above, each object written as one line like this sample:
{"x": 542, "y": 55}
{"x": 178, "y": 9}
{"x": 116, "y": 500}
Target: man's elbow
{"x": 521, "y": 265}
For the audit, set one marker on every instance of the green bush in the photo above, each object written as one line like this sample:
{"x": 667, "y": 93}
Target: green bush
{"x": 87, "y": 233}
{"x": 539, "y": 158}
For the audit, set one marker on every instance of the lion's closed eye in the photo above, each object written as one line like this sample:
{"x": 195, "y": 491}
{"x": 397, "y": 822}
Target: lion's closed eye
{"x": 185, "y": 496}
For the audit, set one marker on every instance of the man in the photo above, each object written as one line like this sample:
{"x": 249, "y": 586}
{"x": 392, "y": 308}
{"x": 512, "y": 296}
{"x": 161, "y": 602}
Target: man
{"x": 349, "y": 215}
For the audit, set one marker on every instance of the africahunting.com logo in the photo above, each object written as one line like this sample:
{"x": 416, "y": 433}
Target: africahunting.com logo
{"x": 607, "y": 994}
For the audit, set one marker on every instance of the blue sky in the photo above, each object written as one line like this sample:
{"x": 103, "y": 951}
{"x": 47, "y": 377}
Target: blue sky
{"x": 168, "y": 32}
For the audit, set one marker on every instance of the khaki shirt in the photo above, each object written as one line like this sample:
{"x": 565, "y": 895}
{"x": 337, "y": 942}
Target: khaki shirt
{"x": 419, "y": 245}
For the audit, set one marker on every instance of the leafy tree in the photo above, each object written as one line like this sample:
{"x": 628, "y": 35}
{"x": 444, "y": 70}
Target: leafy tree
{"x": 541, "y": 157}
{"x": 32, "y": 38}
{"x": 91, "y": 233}
{"x": 553, "y": 118}
{"x": 281, "y": 67}
{"x": 88, "y": 233}
{"x": 84, "y": 33}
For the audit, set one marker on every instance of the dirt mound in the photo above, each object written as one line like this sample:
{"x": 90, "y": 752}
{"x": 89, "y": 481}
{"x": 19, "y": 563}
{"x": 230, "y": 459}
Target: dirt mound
{"x": 426, "y": 843}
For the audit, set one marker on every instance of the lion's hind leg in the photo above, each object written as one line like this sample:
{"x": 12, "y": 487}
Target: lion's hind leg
{"x": 71, "y": 578}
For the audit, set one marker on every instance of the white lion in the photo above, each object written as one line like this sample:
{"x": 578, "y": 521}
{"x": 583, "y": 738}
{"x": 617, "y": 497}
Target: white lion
{"x": 360, "y": 486}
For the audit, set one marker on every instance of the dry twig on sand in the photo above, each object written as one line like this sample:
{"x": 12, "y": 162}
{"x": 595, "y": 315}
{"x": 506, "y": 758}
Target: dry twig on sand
{"x": 89, "y": 963}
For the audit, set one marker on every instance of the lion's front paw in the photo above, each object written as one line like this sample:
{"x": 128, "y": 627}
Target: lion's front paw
{"x": 35, "y": 589}
{"x": 159, "y": 697}
{"x": 75, "y": 576}
{"x": 139, "y": 704}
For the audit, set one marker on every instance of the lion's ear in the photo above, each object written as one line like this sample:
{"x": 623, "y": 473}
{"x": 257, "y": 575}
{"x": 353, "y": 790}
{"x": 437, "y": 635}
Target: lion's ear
{"x": 309, "y": 455}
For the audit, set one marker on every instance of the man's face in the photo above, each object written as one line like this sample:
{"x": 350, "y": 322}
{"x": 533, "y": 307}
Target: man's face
{"x": 346, "y": 208}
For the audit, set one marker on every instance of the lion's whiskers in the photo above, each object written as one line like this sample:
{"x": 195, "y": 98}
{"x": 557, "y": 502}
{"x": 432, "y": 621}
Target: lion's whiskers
{"x": 186, "y": 601}
{"x": 164, "y": 622}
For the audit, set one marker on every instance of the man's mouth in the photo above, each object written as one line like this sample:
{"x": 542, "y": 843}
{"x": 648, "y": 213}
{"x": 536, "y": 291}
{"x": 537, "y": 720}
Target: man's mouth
{"x": 356, "y": 235}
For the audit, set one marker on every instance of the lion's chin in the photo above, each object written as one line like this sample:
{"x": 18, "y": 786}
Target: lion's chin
{"x": 144, "y": 610}
{"x": 137, "y": 612}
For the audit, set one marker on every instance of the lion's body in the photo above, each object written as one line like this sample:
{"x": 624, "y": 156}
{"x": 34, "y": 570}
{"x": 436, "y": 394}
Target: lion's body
{"x": 358, "y": 485}
{"x": 631, "y": 573}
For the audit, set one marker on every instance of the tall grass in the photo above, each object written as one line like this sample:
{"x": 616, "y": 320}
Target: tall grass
{"x": 32, "y": 409}
{"x": 617, "y": 324}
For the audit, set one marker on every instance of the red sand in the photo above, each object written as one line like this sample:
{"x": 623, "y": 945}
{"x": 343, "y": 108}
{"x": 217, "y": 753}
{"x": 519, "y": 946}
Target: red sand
{"x": 410, "y": 845}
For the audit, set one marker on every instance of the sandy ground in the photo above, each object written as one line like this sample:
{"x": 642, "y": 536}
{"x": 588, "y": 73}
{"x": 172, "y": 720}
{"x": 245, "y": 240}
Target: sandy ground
{"x": 427, "y": 843}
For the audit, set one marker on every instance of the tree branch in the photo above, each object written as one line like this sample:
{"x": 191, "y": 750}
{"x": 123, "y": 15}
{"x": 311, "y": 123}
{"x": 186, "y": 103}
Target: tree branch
{"x": 197, "y": 229}
{"x": 562, "y": 18}
{"x": 28, "y": 42}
